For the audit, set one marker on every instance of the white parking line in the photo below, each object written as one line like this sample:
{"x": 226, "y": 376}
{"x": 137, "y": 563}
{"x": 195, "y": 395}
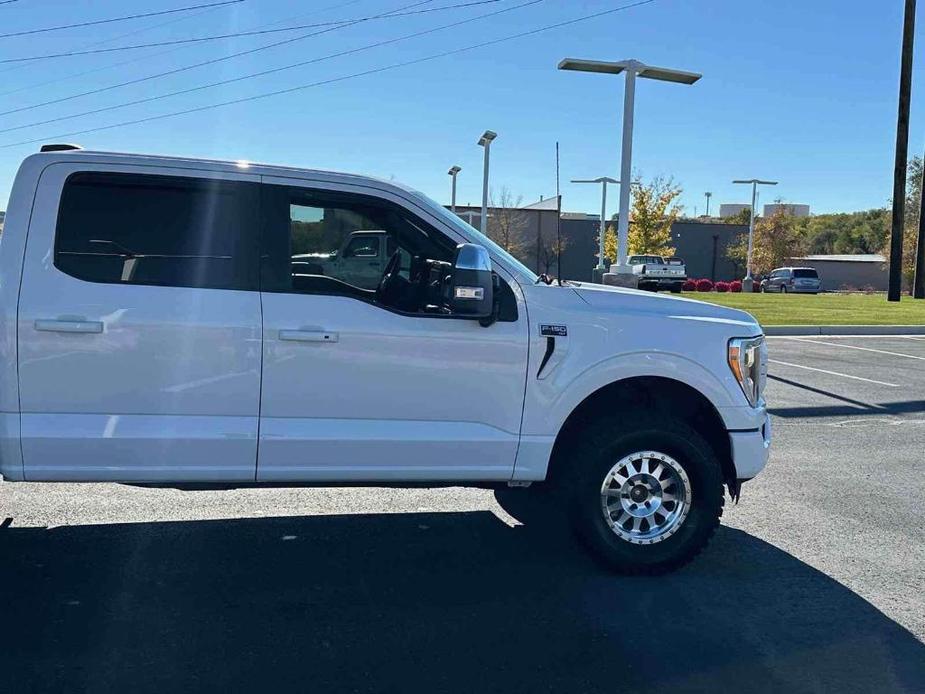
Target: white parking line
{"x": 833, "y": 373}
{"x": 864, "y": 349}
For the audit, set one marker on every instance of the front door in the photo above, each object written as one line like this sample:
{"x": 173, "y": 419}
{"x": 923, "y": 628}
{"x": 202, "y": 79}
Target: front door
{"x": 139, "y": 326}
{"x": 356, "y": 388}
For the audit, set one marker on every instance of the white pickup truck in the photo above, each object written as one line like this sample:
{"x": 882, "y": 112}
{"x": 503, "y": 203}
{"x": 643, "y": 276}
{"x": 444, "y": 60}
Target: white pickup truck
{"x": 157, "y": 328}
{"x": 653, "y": 272}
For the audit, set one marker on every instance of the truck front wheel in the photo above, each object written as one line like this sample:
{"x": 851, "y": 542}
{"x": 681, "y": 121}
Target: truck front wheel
{"x": 646, "y": 492}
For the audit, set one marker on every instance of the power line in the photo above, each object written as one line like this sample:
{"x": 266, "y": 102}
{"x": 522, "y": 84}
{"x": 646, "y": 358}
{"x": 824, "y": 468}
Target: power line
{"x": 212, "y": 61}
{"x": 111, "y": 20}
{"x": 333, "y": 80}
{"x": 240, "y": 34}
{"x": 152, "y": 55}
{"x": 271, "y": 71}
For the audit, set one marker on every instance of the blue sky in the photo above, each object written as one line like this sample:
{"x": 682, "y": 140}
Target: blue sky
{"x": 803, "y": 92}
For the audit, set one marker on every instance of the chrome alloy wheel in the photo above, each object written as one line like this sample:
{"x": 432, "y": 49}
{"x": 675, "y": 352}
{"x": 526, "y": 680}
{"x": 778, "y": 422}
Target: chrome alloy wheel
{"x": 645, "y": 497}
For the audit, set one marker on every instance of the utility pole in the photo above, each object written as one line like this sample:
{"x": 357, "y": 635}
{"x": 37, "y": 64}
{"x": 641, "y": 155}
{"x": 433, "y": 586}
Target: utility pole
{"x": 902, "y": 146}
{"x": 708, "y": 195}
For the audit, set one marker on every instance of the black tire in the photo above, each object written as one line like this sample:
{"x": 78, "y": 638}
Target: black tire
{"x": 600, "y": 446}
{"x": 762, "y": 289}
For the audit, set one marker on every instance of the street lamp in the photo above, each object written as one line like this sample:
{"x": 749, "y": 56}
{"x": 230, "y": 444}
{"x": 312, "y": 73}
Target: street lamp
{"x": 452, "y": 172}
{"x": 708, "y": 196}
{"x": 754, "y": 183}
{"x": 603, "y": 180}
{"x": 632, "y": 68}
{"x": 485, "y": 141}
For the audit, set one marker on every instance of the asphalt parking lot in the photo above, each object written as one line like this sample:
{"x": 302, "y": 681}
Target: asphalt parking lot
{"x": 815, "y": 582}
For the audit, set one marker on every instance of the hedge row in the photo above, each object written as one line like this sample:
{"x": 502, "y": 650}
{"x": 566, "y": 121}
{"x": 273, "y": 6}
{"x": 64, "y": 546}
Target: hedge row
{"x": 708, "y": 286}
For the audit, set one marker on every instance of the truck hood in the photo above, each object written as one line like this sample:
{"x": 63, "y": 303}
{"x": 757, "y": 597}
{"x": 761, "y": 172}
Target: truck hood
{"x": 619, "y": 299}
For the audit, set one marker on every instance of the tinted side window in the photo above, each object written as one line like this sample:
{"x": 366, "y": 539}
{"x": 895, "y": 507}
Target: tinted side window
{"x": 337, "y": 243}
{"x": 158, "y": 230}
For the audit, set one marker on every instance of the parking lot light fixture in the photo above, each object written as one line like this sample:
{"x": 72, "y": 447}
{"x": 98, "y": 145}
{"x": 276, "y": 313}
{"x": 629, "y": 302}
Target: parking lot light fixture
{"x": 603, "y": 180}
{"x": 485, "y": 141}
{"x": 452, "y": 172}
{"x": 754, "y": 183}
{"x": 632, "y": 68}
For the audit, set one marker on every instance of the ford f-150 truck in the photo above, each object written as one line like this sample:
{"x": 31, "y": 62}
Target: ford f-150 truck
{"x": 157, "y": 327}
{"x": 653, "y": 272}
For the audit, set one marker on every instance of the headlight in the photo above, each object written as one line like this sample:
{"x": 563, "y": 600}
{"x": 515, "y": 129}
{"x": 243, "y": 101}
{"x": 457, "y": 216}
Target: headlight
{"x": 748, "y": 360}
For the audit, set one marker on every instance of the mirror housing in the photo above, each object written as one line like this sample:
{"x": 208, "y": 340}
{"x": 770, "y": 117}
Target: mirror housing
{"x": 471, "y": 294}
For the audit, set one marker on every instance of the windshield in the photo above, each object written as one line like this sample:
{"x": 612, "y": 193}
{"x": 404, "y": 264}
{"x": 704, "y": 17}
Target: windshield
{"x": 477, "y": 237}
{"x": 806, "y": 273}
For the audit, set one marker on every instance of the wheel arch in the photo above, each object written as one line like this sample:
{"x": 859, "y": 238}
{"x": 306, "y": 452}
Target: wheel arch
{"x": 653, "y": 393}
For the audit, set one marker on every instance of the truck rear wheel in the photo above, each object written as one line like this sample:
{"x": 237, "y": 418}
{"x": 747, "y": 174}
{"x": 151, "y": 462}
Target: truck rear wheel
{"x": 646, "y": 494}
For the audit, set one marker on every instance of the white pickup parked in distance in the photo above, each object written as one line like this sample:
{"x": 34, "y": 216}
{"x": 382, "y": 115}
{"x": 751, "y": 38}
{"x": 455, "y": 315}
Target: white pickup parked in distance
{"x": 653, "y": 272}
{"x": 159, "y": 325}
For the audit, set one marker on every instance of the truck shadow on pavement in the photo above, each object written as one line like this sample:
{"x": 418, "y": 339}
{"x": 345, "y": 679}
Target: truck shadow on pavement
{"x": 426, "y": 602}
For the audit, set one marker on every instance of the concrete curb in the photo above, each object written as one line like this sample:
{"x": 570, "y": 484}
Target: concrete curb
{"x": 793, "y": 330}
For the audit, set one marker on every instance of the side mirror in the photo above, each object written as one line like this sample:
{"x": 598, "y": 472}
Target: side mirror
{"x": 472, "y": 291}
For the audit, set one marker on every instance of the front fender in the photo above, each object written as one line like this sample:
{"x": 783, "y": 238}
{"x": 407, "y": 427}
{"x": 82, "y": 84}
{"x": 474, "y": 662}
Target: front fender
{"x": 549, "y": 402}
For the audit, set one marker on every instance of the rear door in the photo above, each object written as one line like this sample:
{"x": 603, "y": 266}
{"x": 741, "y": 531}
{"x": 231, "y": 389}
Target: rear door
{"x": 139, "y": 326}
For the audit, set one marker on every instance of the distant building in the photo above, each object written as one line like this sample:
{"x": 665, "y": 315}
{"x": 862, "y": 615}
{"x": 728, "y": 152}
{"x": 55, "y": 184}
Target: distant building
{"x": 704, "y": 246}
{"x": 789, "y": 208}
{"x": 862, "y": 271}
{"x": 731, "y": 209}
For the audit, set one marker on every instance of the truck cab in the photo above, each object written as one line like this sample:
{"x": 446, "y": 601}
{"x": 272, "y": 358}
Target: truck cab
{"x": 188, "y": 322}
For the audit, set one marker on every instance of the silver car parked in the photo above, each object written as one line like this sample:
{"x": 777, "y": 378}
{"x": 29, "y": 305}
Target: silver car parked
{"x": 800, "y": 280}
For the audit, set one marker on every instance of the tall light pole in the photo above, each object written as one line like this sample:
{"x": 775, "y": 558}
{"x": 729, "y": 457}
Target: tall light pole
{"x": 708, "y": 195}
{"x": 485, "y": 141}
{"x": 452, "y": 172}
{"x": 632, "y": 68}
{"x": 603, "y": 180}
{"x": 754, "y": 183}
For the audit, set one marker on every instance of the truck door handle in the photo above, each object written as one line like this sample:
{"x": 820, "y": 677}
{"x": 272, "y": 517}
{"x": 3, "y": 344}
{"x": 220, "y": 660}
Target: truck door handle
{"x": 308, "y": 335}
{"x": 69, "y": 326}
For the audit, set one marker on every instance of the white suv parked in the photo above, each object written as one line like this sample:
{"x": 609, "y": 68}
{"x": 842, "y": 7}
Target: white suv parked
{"x": 159, "y": 323}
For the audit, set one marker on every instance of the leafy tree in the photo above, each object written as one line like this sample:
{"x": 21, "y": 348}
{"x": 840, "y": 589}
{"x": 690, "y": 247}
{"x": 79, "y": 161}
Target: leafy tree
{"x": 740, "y": 217}
{"x": 654, "y": 210}
{"x": 776, "y": 239}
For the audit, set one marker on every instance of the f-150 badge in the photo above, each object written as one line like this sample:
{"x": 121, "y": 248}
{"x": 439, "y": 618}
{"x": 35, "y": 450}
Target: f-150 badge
{"x": 553, "y": 331}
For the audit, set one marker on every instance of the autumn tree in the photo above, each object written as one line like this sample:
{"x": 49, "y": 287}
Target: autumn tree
{"x": 507, "y": 223}
{"x": 776, "y": 239}
{"x": 654, "y": 210}
{"x": 743, "y": 216}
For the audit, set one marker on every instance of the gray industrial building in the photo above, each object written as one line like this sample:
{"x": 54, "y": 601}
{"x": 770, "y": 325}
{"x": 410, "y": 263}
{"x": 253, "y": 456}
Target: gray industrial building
{"x": 865, "y": 272}
{"x": 702, "y": 244}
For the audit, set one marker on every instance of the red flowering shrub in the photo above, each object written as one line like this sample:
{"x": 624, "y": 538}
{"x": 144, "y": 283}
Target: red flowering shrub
{"x": 689, "y": 286}
{"x": 704, "y": 286}
{"x": 735, "y": 286}
{"x": 722, "y": 287}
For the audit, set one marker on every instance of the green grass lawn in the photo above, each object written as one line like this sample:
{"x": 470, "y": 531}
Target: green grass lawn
{"x": 822, "y": 309}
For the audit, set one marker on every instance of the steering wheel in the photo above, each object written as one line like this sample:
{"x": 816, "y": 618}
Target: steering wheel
{"x": 388, "y": 277}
